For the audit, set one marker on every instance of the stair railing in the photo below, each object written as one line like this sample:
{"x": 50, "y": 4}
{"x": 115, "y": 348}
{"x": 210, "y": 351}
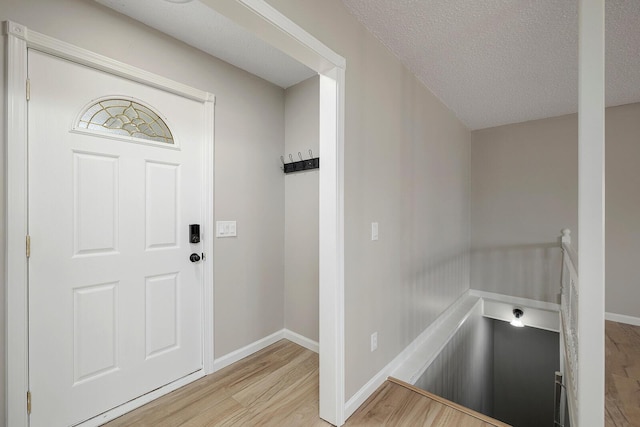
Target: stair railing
{"x": 569, "y": 312}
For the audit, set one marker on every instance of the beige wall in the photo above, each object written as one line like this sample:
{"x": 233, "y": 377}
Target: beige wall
{"x": 407, "y": 167}
{"x": 249, "y": 138}
{"x": 524, "y": 190}
{"x": 524, "y": 181}
{"x": 301, "y": 211}
{"x": 622, "y": 212}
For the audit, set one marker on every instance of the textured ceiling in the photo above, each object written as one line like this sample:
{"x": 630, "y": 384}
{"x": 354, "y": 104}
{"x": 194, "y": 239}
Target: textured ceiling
{"x": 494, "y": 62}
{"x": 201, "y": 27}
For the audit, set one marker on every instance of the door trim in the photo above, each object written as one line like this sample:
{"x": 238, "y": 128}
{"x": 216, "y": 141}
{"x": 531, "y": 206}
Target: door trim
{"x": 19, "y": 39}
{"x": 266, "y": 22}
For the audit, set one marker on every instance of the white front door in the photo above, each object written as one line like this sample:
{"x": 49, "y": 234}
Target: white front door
{"x": 114, "y": 299}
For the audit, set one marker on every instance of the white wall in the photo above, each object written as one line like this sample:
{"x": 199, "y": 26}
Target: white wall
{"x": 524, "y": 190}
{"x": 301, "y": 209}
{"x": 249, "y": 138}
{"x": 406, "y": 167}
{"x": 524, "y": 181}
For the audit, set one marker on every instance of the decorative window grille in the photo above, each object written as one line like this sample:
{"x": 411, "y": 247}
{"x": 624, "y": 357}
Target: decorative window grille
{"x": 124, "y": 117}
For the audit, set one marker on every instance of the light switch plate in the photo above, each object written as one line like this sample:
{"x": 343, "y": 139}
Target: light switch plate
{"x": 226, "y": 229}
{"x": 374, "y": 231}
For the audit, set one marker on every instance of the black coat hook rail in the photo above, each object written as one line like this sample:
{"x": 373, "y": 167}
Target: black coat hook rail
{"x": 300, "y": 165}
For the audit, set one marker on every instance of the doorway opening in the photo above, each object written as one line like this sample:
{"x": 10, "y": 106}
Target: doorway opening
{"x": 260, "y": 18}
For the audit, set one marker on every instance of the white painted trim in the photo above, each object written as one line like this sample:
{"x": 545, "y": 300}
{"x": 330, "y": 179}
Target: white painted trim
{"x": 19, "y": 39}
{"x": 301, "y": 340}
{"x": 270, "y": 14}
{"x": 427, "y": 346}
{"x": 82, "y": 56}
{"x": 331, "y": 242}
{"x": 208, "y": 236}
{"x": 248, "y": 350}
{"x": 591, "y": 213}
{"x": 140, "y": 401}
{"x": 420, "y": 353}
{"x": 507, "y": 299}
{"x": 622, "y": 318}
{"x": 370, "y": 387}
{"x": 261, "y": 19}
{"x": 16, "y": 368}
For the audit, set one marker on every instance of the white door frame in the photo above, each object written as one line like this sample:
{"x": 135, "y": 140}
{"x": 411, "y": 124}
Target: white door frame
{"x": 19, "y": 39}
{"x": 267, "y": 23}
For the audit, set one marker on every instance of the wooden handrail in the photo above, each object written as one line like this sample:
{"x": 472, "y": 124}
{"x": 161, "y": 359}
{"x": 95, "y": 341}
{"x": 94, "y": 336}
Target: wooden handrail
{"x": 449, "y": 403}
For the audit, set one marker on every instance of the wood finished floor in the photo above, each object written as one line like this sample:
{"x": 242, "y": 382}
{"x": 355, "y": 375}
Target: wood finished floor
{"x": 399, "y": 404}
{"x": 278, "y": 386}
{"x": 622, "y": 382}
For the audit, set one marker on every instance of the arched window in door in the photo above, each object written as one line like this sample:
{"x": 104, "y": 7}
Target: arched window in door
{"x": 125, "y": 117}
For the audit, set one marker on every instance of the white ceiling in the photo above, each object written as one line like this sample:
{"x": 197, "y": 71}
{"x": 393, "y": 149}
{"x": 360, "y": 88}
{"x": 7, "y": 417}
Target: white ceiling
{"x": 201, "y": 27}
{"x": 492, "y": 62}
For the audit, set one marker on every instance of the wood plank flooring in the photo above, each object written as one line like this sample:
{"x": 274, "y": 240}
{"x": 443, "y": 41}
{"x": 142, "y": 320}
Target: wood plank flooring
{"x": 622, "y": 381}
{"x": 397, "y": 403}
{"x": 278, "y": 386}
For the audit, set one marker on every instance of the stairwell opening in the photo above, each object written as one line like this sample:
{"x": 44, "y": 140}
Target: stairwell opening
{"x": 504, "y": 372}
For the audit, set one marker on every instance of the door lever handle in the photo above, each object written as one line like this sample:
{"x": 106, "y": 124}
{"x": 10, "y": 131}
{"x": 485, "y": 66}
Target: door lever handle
{"x": 194, "y": 257}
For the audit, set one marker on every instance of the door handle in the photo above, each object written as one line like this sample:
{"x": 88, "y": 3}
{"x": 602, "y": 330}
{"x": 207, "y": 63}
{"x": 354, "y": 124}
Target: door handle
{"x": 194, "y": 257}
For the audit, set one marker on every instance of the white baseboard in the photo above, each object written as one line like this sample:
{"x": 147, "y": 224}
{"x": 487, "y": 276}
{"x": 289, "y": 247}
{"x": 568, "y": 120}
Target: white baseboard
{"x": 301, "y": 340}
{"x": 248, "y": 350}
{"x": 622, "y": 318}
{"x": 405, "y": 365}
{"x": 369, "y": 388}
{"x": 221, "y": 362}
{"x": 234, "y": 356}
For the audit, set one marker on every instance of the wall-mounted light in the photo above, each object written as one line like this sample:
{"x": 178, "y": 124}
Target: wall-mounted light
{"x": 517, "y": 314}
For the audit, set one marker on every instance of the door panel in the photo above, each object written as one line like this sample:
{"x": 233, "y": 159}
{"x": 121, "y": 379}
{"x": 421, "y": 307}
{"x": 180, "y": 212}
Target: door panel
{"x": 161, "y": 205}
{"x": 95, "y": 203}
{"x": 114, "y": 301}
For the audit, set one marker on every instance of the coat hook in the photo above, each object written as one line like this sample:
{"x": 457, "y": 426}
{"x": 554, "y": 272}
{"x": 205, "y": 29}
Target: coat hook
{"x": 310, "y": 154}
{"x": 300, "y": 155}
{"x": 291, "y": 158}
{"x": 282, "y": 160}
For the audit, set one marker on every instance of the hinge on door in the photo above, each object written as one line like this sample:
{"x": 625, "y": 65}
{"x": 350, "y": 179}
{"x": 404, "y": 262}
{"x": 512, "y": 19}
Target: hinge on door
{"x": 28, "y": 89}
{"x": 29, "y": 402}
{"x": 28, "y": 244}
